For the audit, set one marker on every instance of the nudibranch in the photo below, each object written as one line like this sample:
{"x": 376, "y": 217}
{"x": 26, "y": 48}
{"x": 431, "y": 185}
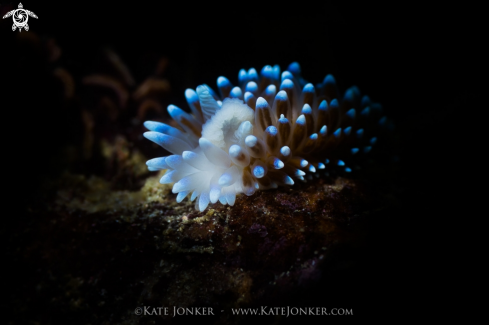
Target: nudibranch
{"x": 270, "y": 130}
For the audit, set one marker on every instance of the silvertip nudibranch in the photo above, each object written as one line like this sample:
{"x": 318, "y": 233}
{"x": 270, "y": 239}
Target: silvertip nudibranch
{"x": 270, "y": 130}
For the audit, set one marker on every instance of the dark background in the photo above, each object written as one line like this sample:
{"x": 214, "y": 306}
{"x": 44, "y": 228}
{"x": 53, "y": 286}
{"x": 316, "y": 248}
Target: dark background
{"x": 421, "y": 63}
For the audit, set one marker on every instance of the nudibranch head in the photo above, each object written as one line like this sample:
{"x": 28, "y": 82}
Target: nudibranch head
{"x": 270, "y": 130}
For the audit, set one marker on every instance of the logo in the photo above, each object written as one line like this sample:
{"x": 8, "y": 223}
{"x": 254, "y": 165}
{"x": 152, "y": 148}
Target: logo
{"x": 20, "y": 17}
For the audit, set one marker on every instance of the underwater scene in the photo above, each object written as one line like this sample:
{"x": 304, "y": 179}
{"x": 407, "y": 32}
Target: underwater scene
{"x": 174, "y": 163}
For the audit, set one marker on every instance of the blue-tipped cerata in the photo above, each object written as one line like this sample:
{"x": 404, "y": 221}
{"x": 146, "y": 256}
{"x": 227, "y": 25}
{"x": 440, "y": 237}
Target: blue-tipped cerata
{"x": 252, "y": 75}
{"x": 349, "y": 95}
{"x": 259, "y": 171}
{"x": 242, "y": 76}
{"x": 301, "y": 120}
{"x": 269, "y": 130}
{"x": 236, "y": 92}
{"x": 323, "y": 106}
{"x": 247, "y": 96}
{"x": 285, "y": 151}
{"x": 252, "y": 87}
{"x": 278, "y": 164}
{"x": 334, "y": 104}
{"x": 267, "y": 72}
{"x": 366, "y": 111}
{"x": 309, "y": 88}
{"x": 329, "y": 80}
{"x": 261, "y": 103}
{"x": 306, "y": 109}
{"x": 287, "y": 75}
{"x": 351, "y": 113}
{"x": 287, "y": 84}
{"x": 283, "y": 119}
{"x": 323, "y": 130}
{"x": 365, "y": 101}
{"x": 294, "y": 68}
{"x": 223, "y": 82}
{"x": 271, "y": 90}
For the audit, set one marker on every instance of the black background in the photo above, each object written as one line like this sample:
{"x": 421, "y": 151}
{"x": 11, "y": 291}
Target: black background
{"x": 421, "y": 63}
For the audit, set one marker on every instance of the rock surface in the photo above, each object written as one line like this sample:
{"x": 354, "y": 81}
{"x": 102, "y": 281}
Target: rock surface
{"x": 100, "y": 252}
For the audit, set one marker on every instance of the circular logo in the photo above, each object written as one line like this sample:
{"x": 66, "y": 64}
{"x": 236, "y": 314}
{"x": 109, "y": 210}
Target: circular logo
{"x": 20, "y": 17}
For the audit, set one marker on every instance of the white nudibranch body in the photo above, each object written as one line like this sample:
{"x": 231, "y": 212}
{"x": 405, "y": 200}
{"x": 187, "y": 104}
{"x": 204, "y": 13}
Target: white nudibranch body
{"x": 270, "y": 130}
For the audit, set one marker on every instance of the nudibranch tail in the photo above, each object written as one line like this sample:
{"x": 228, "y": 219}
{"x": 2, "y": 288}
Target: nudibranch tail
{"x": 271, "y": 129}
